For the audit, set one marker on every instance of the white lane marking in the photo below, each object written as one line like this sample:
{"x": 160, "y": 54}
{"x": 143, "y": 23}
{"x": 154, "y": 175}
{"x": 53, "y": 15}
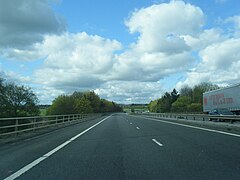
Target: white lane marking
{"x": 158, "y": 143}
{"x": 45, "y": 156}
{"x": 137, "y": 128}
{"x": 205, "y": 129}
{"x": 130, "y": 123}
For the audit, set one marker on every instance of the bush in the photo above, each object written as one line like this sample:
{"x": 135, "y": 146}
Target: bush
{"x": 195, "y": 107}
{"x": 181, "y": 104}
{"x": 17, "y": 100}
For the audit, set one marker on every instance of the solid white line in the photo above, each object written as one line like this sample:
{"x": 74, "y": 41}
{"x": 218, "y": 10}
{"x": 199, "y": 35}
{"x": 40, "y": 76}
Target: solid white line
{"x": 195, "y": 127}
{"x": 25, "y": 169}
{"x": 45, "y": 156}
{"x": 138, "y": 128}
{"x": 158, "y": 143}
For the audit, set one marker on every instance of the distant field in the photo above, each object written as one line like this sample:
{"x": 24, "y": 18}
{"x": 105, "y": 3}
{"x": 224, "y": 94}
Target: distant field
{"x": 141, "y": 108}
{"x": 43, "y": 111}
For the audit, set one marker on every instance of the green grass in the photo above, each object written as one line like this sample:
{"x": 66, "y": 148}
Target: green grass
{"x": 43, "y": 111}
{"x": 141, "y": 108}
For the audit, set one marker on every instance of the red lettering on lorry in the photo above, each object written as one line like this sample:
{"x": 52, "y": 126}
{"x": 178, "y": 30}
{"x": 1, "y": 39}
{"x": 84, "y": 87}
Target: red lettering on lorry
{"x": 218, "y": 99}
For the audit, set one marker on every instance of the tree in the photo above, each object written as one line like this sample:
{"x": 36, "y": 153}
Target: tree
{"x": 198, "y": 90}
{"x": 186, "y": 91}
{"x": 77, "y": 95}
{"x": 63, "y": 104}
{"x": 152, "y": 106}
{"x": 189, "y": 99}
{"x": 17, "y": 100}
{"x": 83, "y": 106}
{"x": 116, "y": 107}
{"x": 195, "y": 107}
{"x": 106, "y": 106}
{"x": 81, "y": 102}
{"x": 164, "y": 104}
{"x": 181, "y": 104}
{"x": 174, "y": 95}
{"x": 94, "y": 100}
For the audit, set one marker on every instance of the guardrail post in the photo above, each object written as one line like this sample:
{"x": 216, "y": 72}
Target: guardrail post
{"x": 34, "y": 124}
{"x": 16, "y": 127}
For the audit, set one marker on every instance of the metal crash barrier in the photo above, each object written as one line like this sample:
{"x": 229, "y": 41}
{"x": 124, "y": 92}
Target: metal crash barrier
{"x": 9, "y": 126}
{"x": 199, "y": 117}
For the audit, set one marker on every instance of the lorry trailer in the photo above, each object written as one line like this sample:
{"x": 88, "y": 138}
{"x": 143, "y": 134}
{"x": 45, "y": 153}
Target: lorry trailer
{"x": 227, "y": 98}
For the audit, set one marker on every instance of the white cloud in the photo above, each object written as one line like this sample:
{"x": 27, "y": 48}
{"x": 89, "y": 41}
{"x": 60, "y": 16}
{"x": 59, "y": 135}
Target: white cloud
{"x": 148, "y": 66}
{"x": 220, "y": 64}
{"x": 46, "y": 93}
{"x": 129, "y": 92}
{"x": 204, "y": 38}
{"x": 12, "y": 76}
{"x": 161, "y": 49}
{"x": 24, "y": 22}
{"x": 161, "y": 26}
{"x": 171, "y": 39}
{"x": 76, "y": 60}
{"x": 221, "y": 55}
{"x": 235, "y": 21}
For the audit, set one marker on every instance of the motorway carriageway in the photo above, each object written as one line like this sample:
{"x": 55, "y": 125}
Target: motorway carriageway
{"x": 121, "y": 146}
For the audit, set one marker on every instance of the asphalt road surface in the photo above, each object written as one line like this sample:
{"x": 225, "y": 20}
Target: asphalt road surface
{"x": 123, "y": 147}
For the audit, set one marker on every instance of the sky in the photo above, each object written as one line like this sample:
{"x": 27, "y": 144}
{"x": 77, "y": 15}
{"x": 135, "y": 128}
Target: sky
{"x": 128, "y": 51}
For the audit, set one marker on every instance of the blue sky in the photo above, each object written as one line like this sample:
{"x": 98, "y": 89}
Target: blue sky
{"x": 126, "y": 51}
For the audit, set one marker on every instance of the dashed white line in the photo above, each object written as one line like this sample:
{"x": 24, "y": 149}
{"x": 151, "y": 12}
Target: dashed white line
{"x": 130, "y": 123}
{"x": 158, "y": 143}
{"x": 45, "y": 156}
{"x": 194, "y": 127}
{"x": 137, "y": 128}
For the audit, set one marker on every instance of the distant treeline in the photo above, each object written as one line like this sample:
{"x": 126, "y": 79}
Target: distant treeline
{"x": 186, "y": 100}
{"x": 19, "y": 101}
{"x": 82, "y": 102}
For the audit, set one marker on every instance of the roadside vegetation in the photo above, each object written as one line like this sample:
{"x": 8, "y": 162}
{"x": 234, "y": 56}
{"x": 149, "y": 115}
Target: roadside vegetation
{"x": 17, "y": 100}
{"x": 20, "y": 101}
{"x": 131, "y": 108}
{"x": 82, "y": 102}
{"x": 187, "y": 100}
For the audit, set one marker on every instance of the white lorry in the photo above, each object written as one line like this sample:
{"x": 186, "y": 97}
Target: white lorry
{"x": 222, "y": 99}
